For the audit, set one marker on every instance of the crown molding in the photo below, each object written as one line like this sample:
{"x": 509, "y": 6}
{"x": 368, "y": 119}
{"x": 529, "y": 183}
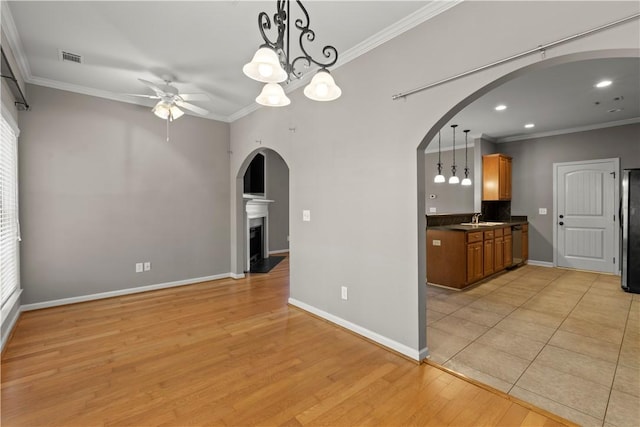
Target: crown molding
{"x": 55, "y": 84}
{"x": 447, "y": 148}
{"x": 431, "y": 10}
{"x": 423, "y": 14}
{"x": 14, "y": 41}
{"x": 569, "y": 130}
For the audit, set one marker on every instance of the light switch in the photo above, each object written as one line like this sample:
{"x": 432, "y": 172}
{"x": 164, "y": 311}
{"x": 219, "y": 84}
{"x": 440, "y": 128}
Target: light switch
{"x": 432, "y": 210}
{"x": 306, "y": 215}
{"x": 542, "y": 211}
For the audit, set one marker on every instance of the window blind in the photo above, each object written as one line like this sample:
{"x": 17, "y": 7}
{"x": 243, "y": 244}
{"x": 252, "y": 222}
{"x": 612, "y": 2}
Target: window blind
{"x": 9, "y": 278}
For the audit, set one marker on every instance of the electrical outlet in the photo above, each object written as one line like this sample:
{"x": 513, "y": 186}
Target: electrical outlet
{"x": 147, "y": 266}
{"x": 432, "y": 210}
{"x": 436, "y": 242}
{"x": 306, "y": 215}
{"x": 139, "y": 267}
{"x": 344, "y": 294}
{"x": 542, "y": 211}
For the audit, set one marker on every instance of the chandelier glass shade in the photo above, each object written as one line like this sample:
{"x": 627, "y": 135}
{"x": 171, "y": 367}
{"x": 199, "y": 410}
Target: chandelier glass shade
{"x": 322, "y": 87}
{"x": 265, "y": 67}
{"x": 272, "y": 63}
{"x": 273, "y": 95}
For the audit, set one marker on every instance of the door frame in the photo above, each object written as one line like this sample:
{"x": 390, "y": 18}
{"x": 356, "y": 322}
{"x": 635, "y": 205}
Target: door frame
{"x": 616, "y": 198}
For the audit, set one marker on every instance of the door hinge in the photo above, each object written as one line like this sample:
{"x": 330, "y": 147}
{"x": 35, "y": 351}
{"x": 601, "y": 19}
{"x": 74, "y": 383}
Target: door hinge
{"x": 614, "y": 260}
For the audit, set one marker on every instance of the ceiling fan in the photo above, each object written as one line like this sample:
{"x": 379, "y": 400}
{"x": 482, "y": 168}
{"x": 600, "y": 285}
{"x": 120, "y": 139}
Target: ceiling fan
{"x": 169, "y": 99}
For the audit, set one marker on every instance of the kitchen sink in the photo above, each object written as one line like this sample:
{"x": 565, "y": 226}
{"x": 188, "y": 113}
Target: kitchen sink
{"x": 483, "y": 224}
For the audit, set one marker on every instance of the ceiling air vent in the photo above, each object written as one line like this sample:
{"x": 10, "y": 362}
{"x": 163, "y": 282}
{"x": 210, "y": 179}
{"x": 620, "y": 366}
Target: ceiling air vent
{"x": 69, "y": 57}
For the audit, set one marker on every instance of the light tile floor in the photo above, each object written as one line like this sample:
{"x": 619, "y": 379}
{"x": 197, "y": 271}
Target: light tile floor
{"x": 566, "y": 341}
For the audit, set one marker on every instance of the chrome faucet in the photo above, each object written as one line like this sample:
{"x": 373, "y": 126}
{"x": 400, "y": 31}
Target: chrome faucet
{"x": 476, "y": 218}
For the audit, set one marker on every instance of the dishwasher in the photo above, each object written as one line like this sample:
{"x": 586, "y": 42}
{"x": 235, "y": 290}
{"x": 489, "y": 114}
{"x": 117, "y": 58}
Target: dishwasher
{"x": 516, "y": 236}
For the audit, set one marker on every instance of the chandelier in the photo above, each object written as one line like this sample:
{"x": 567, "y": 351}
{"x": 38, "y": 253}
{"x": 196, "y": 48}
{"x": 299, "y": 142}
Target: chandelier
{"x": 272, "y": 63}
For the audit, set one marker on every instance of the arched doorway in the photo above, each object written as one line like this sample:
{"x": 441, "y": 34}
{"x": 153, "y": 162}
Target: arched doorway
{"x": 481, "y": 320}
{"x": 262, "y": 183}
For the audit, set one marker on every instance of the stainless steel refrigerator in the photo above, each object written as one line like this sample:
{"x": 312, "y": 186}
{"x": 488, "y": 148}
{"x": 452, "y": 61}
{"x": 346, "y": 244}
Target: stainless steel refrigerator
{"x": 630, "y": 221}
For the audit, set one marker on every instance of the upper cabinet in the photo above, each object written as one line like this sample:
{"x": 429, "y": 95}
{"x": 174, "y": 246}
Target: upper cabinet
{"x": 496, "y": 177}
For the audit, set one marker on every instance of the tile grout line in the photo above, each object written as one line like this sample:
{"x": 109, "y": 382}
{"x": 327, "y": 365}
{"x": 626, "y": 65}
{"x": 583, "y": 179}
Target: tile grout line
{"x": 548, "y": 339}
{"x": 615, "y": 371}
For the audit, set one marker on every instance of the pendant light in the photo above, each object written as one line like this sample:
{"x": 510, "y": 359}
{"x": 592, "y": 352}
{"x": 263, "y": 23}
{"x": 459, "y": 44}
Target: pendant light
{"x": 466, "y": 181}
{"x": 454, "y": 179}
{"x": 439, "y": 178}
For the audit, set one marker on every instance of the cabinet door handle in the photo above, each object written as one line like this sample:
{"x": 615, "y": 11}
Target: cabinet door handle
{"x": 561, "y": 223}
{"x": 561, "y": 216}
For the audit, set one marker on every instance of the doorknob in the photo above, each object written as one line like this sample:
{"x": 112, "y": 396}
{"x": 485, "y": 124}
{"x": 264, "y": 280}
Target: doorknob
{"x": 561, "y": 223}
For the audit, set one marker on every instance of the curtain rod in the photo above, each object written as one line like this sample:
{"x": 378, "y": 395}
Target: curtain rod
{"x": 541, "y": 48}
{"x": 21, "y": 101}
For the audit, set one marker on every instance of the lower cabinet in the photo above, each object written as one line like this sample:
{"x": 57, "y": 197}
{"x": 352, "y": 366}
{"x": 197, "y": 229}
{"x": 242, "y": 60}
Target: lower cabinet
{"x": 458, "y": 258}
{"x": 525, "y": 242}
{"x": 474, "y": 262}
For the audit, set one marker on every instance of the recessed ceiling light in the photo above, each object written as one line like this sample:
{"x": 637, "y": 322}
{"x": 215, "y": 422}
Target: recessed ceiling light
{"x": 529, "y": 125}
{"x": 603, "y": 83}
{"x": 501, "y": 107}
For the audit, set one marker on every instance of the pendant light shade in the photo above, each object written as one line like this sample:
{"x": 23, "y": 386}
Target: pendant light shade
{"x": 454, "y": 179}
{"x": 322, "y": 87}
{"x": 439, "y": 178}
{"x": 265, "y": 67}
{"x": 466, "y": 181}
{"x": 273, "y": 95}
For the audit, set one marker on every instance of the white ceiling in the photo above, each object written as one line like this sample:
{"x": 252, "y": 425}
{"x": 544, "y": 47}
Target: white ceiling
{"x": 204, "y": 44}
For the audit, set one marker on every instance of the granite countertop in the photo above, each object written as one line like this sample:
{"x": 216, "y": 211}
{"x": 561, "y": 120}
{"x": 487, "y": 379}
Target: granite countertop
{"x": 460, "y": 227}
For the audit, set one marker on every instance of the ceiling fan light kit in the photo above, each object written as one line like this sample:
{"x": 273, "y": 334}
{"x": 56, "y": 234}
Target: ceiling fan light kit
{"x": 272, "y": 63}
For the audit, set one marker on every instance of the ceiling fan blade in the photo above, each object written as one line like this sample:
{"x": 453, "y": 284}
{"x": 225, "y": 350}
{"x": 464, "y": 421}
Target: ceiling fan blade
{"x": 194, "y": 97}
{"x": 192, "y": 107}
{"x": 143, "y": 96}
{"x": 153, "y": 86}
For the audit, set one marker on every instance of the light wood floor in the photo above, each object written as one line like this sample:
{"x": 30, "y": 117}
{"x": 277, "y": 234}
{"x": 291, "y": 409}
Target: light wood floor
{"x": 229, "y": 352}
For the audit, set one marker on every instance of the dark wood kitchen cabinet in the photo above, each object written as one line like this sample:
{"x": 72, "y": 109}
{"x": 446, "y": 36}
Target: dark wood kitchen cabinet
{"x": 496, "y": 177}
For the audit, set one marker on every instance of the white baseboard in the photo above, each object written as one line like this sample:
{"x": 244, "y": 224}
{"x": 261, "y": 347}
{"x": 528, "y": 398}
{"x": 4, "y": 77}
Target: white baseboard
{"x": 417, "y": 355}
{"x": 120, "y": 292}
{"x": 237, "y": 276}
{"x": 540, "y": 263}
{"x": 279, "y": 251}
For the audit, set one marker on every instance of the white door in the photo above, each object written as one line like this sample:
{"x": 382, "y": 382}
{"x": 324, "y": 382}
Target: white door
{"x": 585, "y": 215}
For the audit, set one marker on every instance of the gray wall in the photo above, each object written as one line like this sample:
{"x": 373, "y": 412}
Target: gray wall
{"x": 449, "y": 198}
{"x": 532, "y": 173}
{"x": 101, "y": 189}
{"x": 358, "y": 163}
{"x": 277, "y": 187}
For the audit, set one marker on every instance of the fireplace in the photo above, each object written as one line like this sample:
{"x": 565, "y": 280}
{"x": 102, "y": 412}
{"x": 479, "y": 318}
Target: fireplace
{"x": 255, "y": 244}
